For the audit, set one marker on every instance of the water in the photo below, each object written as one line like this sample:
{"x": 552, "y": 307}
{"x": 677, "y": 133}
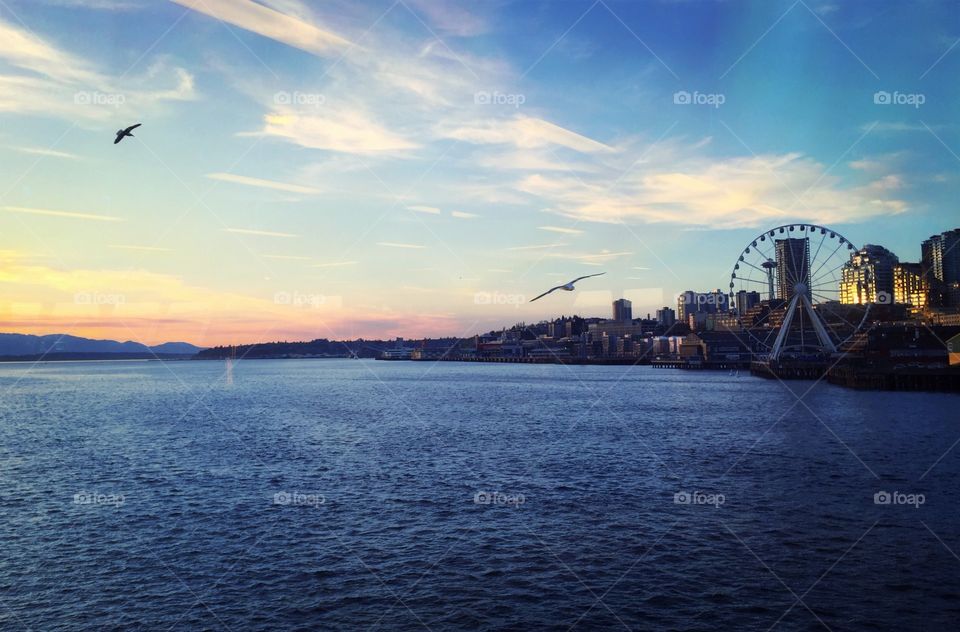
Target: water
{"x": 176, "y": 468}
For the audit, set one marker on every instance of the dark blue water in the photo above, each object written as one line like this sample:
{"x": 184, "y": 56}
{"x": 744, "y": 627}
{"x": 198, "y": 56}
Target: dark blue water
{"x": 330, "y": 495}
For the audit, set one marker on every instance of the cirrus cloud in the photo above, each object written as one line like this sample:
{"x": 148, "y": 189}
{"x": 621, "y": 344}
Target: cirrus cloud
{"x": 725, "y": 193}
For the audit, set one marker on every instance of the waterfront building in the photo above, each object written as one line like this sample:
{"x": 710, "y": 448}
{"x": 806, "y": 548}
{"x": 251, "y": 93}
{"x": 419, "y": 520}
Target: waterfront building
{"x": 868, "y": 276}
{"x": 622, "y": 310}
{"x": 940, "y": 260}
{"x": 660, "y": 346}
{"x": 721, "y": 321}
{"x": 674, "y": 344}
{"x": 616, "y": 328}
{"x": 558, "y": 329}
{"x": 944, "y": 316}
{"x": 793, "y": 265}
{"x": 909, "y": 285}
{"x": 908, "y": 345}
{"x": 953, "y": 350}
{"x": 715, "y": 346}
{"x": 691, "y": 349}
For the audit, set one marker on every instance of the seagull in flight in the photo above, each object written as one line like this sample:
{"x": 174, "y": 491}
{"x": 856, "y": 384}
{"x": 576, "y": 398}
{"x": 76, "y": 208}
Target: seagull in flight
{"x": 121, "y": 133}
{"x": 567, "y": 286}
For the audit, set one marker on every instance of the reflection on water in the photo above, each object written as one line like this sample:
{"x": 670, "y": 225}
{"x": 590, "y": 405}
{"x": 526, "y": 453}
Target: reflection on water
{"x": 392, "y": 495}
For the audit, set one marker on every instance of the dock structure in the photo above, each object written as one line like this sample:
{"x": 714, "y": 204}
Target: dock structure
{"x": 939, "y": 379}
{"x": 790, "y": 369}
{"x": 711, "y": 365}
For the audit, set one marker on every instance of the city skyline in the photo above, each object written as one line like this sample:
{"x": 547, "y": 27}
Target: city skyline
{"x": 422, "y": 169}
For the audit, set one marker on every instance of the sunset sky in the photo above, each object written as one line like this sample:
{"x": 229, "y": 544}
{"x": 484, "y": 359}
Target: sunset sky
{"x": 422, "y": 167}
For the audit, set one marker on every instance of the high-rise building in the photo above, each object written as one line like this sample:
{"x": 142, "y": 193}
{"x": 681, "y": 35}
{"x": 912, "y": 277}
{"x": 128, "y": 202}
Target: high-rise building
{"x": 693, "y": 307}
{"x": 941, "y": 267}
{"x": 793, "y": 265}
{"x": 622, "y": 309}
{"x": 745, "y": 300}
{"x": 686, "y": 304}
{"x": 666, "y": 317}
{"x": 909, "y": 285}
{"x": 868, "y": 276}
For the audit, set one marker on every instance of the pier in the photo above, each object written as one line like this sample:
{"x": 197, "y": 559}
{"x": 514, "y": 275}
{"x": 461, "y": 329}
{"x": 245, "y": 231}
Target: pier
{"x": 941, "y": 379}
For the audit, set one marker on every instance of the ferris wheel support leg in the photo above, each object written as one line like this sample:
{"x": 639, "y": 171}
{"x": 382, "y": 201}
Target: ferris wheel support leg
{"x": 818, "y": 327}
{"x": 784, "y": 329}
{"x": 825, "y": 342}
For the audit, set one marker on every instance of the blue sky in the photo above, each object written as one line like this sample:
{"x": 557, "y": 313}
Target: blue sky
{"x": 311, "y": 169}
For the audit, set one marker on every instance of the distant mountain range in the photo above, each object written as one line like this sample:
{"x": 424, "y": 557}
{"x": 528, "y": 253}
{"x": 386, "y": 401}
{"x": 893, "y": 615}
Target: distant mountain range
{"x": 62, "y": 346}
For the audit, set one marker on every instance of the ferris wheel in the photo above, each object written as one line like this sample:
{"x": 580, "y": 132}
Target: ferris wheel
{"x": 785, "y": 289}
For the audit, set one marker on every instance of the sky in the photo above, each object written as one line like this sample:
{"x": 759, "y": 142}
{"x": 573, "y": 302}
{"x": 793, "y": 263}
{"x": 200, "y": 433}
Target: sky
{"x": 424, "y": 167}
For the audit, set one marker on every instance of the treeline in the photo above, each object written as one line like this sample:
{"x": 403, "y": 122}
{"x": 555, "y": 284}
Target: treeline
{"x": 319, "y": 348}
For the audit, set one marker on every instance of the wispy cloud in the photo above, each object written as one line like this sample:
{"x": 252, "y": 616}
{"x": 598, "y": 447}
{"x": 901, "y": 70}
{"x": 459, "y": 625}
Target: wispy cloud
{"x": 593, "y": 258}
{"x": 65, "y": 214}
{"x": 394, "y": 244}
{"x": 263, "y": 184}
{"x": 900, "y": 126}
{"x": 535, "y": 247}
{"x": 561, "y": 229}
{"x": 429, "y": 210}
{"x": 463, "y": 215}
{"x": 335, "y": 264}
{"x": 347, "y": 130}
{"x": 272, "y": 24}
{"x": 724, "y": 193}
{"x": 109, "y": 5}
{"x": 49, "y": 153}
{"x": 138, "y": 248}
{"x": 541, "y": 159}
{"x": 605, "y": 255}
{"x": 450, "y": 18}
{"x": 524, "y": 132}
{"x": 263, "y": 233}
{"x": 65, "y": 85}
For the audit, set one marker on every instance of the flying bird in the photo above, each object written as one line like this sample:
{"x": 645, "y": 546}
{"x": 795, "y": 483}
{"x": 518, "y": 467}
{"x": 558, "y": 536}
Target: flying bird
{"x": 121, "y": 133}
{"x": 567, "y": 286}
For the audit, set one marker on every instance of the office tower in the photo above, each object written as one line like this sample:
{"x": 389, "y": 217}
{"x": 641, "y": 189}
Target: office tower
{"x": 686, "y": 304}
{"x": 940, "y": 261}
{"x": 868, "y": 276}
{"x": 622, "y": 309}
{"x": 793, "y": 266}
{"x": 909, "y": 285}
{"x": 745, "y": 300}
{"x": 666, "y": 317}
